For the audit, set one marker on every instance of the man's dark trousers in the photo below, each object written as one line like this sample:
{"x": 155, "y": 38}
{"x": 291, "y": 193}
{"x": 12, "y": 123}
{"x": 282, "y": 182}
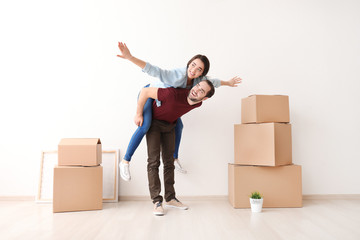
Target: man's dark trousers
{"x": 161, "y": 136}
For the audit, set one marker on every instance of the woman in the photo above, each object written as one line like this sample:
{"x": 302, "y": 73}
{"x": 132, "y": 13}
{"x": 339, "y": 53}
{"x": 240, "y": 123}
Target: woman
{"x": 185, "y": 77}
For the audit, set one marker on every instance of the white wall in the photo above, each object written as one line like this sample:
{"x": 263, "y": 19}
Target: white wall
{"x": 60, "y": 77}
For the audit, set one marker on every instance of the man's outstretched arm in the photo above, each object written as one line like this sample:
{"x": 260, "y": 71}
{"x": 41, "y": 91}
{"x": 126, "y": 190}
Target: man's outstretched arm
{"x": 145, "y": 93}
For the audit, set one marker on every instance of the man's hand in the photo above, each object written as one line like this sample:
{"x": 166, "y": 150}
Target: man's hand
{"x": 234, "y": 81}
{"x": 125, "y": 52}
{"x": 139, "y": 120}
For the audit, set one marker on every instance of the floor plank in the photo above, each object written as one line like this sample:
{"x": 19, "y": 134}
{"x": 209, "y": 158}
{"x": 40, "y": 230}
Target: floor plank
{"x": 318, "y": 219}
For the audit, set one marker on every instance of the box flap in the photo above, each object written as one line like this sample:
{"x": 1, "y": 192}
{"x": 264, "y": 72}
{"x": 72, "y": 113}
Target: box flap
{"x": 80, "y": 141}
{"x": 252, "y": 95}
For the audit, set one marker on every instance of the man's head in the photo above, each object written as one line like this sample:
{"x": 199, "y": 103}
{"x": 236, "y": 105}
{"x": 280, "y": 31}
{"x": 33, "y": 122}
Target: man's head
{"x": 201, "y": 91}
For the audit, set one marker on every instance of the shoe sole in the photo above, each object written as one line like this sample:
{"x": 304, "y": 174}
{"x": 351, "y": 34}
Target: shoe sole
{"x": 181, "y": 170}
{"x": 125, "y": 179}
{"x": 158, "y": 214}
{"x": 182, "y": 208}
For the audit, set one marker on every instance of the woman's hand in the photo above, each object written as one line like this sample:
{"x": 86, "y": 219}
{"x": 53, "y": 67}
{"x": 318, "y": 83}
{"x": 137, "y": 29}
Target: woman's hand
{"x": 234, "y": 81}
{"x": 125, "y": 52}
{"x": 139, "y": 120}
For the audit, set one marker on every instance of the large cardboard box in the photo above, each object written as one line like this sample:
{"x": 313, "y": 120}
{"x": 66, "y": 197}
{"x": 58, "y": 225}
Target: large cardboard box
{"x": 79, "y": 152}
{"x": 265, "y": 108}
{"x": 280, "y": 186}
{"x": 265, "y": 144}
{"x": 77, "y": 188}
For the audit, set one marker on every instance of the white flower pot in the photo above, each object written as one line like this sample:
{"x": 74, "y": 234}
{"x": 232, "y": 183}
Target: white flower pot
{"x": 256, "y": 204}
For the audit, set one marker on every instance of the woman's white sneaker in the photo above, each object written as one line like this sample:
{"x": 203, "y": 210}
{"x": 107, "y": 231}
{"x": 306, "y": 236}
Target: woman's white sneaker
{"x": 178, "y": 166}
{"x": 125, "y": 171}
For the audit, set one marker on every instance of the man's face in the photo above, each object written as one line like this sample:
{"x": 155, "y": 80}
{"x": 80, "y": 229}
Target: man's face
{"x": 195, "y": 69}
{"x": 199, "y": 91}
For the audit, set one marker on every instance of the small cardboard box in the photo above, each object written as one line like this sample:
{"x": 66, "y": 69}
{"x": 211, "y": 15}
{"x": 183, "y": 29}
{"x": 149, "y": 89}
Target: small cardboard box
{"x": 265, "y": 144}
{"x": 79, "y": 152}
{"x": 77, "y": 188}
{"x": 265, "y": 108}
{"x": 280, "y": 186}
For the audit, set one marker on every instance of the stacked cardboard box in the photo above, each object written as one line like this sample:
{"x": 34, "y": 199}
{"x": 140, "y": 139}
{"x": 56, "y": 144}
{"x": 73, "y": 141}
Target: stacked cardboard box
{"x": 263, "y": 154}
{"x": 78, "y": 176}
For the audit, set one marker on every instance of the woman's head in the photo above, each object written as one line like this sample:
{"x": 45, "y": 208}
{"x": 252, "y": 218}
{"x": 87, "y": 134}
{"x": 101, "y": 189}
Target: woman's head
{"x": 198, "y": 66}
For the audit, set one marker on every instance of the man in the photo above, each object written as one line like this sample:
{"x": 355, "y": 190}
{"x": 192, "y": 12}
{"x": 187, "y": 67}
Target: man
{"x": 184, "y": 77}
{"x": 175, "y": 102}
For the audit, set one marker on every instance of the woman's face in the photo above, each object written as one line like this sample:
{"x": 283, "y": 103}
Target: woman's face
{"x": 195, "y": 69}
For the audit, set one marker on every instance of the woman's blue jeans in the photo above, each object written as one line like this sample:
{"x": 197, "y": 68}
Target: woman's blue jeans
{"x": 141, "y": 131}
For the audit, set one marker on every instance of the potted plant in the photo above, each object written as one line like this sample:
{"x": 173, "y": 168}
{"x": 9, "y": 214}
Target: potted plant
{"x": 256, "y": 201}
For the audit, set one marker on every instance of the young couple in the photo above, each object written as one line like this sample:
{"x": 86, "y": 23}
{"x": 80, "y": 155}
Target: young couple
{"x": 159, "y": 109}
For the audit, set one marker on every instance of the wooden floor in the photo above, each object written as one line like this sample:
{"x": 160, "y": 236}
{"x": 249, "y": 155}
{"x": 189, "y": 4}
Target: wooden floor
{"x": 206, "y": 219}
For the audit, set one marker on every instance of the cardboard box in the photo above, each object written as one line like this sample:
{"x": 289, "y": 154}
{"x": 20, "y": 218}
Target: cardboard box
{"x": 265, "y": 108}
{"x": 280, "y": 186}
{"x": 79, "y": 152}
{"x": 77, "y": 188}
{"x": 265, "y": 144}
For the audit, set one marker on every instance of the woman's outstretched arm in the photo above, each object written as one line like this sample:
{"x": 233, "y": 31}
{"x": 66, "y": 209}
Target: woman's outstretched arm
{"x": 125, "y": 54}
{"x": 232, "y": 82}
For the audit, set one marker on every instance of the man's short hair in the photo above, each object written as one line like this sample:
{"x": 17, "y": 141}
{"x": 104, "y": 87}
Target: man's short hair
{"x": 211, "y": 92}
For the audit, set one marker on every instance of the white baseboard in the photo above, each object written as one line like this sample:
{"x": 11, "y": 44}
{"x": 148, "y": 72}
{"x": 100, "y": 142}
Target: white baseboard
{"x": 182, "y": 198}
{"x": 330, "y": 196}
{"x": 198, "y": 198}
{"x": 17, "y": 198}
{"x": 225, "y": 197}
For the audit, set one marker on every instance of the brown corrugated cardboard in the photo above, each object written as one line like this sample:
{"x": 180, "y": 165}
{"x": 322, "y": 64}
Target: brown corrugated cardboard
{"x": 280, "y": 186}
{"x": 265, "y": 144}
{"x": 265, "y": 108}
{"x": 77, "y": 188}
{"x": 79, "y": 152}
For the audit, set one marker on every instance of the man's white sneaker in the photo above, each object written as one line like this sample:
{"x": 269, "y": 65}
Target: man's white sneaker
{"x": 175, "y": 203}
{"x": 178, "y": 166}
{"x": 125, "y": 171}
{"x": 158, "y": 209}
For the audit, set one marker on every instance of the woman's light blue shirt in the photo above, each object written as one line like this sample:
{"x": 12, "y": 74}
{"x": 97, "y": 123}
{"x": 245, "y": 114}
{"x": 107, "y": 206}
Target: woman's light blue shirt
{"x": 174, "y": 78}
